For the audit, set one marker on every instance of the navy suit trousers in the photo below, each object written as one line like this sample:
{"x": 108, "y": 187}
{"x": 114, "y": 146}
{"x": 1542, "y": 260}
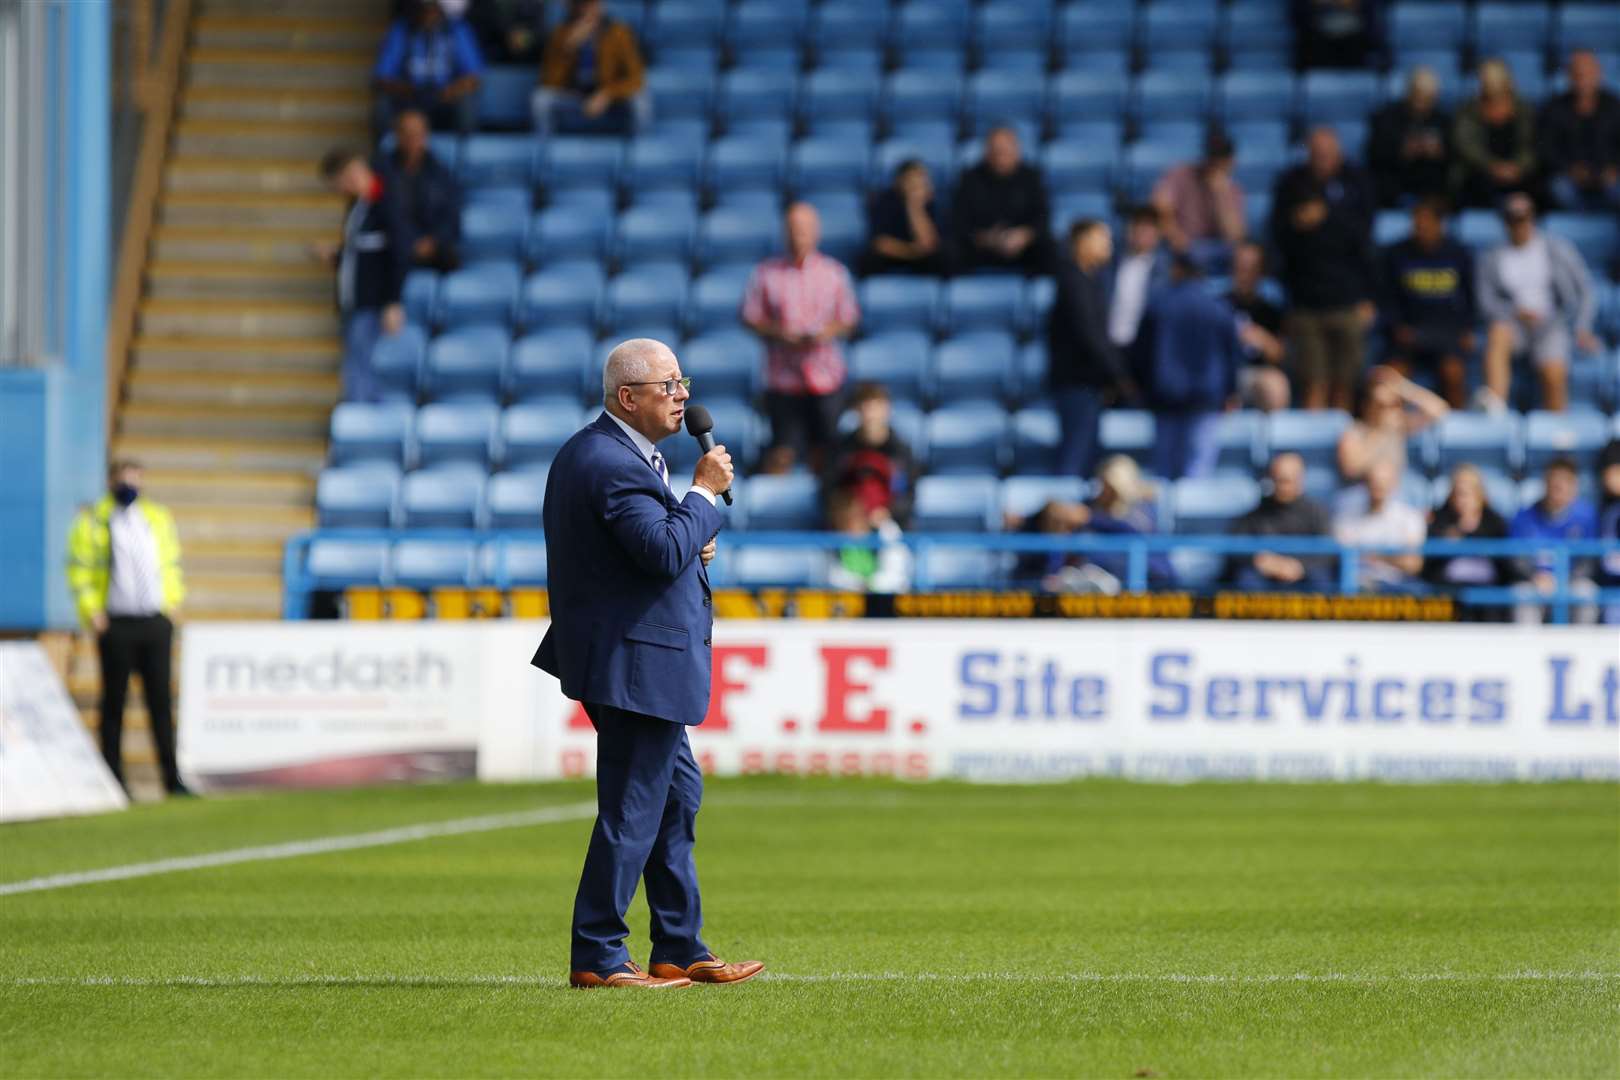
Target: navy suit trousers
{"x": 648, "y": 788}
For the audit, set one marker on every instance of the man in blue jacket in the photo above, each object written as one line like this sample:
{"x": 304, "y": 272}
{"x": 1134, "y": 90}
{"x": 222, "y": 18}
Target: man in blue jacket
{"x": 630, "y": 637}
{"x": 1191, "y": 349}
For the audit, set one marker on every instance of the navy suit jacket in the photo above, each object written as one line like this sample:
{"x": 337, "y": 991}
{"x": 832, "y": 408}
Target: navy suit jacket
{"x": 631, "y": 612}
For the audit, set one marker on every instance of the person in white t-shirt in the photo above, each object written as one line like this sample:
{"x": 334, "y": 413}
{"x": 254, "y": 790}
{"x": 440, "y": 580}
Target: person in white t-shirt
{"x": 1385, "y": 521}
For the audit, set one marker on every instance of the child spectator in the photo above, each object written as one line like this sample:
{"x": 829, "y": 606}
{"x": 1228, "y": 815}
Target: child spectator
{"x": 884, "y": 569}
{"x": 872, "y": 464}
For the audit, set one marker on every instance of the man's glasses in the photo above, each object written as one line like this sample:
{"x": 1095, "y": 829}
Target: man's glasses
{"x": 669, "y": 385}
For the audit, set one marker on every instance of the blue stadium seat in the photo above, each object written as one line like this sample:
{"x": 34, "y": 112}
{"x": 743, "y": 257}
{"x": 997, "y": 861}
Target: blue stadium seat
{"x": 357, "y": 496}
{"x": 1240, "y": 441}
{"x": 427, "y": 564}
{"x": 563, "y": 294}
{"x": 1210, "y": 505}
{"x": 1596, "y": 236}
{"x": 662, "y": 161}
{"x": 1329, "y": 96}
{"x": 1085, "y": 95}
{"x": 828, "y": 163}
{"x": 1082, "y": 160}
{"x": 956, "y": 504}
{"x": 938, "y": 153}
{"x": 396, "y": 363}
{"x": 492, "y": 233}
{"x": 513, "y": 198}
{"x": 456, "y": 432}
{"x": 1022, "y": 496}
{"x": 790, "y": 501}
{"x": 683, "y": 201}
{"x": 781, "y": 567}
{"x": 838, "y": 26}
{"x": 1107, "y": 28}
{"x": 1529, "y": 68}
{"x": 570, "y": 232}
{"x": 1178, "y": 94}
{"x": 681, "y": 93}
{"x": 633, "y": 13}
{"x": 1071, "y": 206}
{"x": 503, "y": 96}
{"x": 1312, "y": 434}
{"x": 1577, "y": 435}
{"x": 724, "y": 363}
{"x": 962, "y": 568}
{"x": 338, "y": 564}
{"x": 1029, "y": 372}
{"x": 974, "y": 367}
{"x": 361, "y": 431}
{"x": 687, "y": 23}
{"x": 716, "y": 297}
{"x": 1147, "y": 159}
{"x": 981, "y": 301}
{"x": 481, "y": 293}
{"x": 1035, "y": 433}
{"x": 509, "y": 562}
{"x": 736, "y": 236}
{"x": 1013, "y": 25}
{"x": 1131, "y": 432}
{"x": 967, "y": 438}
{"x": 773, "y": 24}
{"x": 468, "y": 363}
{"x": 899, "y": 302}
{"x": 571, "y": 161}
{"x": 553, "y": 361}
{"x": 652, "y": 292}
{"x": 1428, "y": 24}
{"x": 1182, "y": 25}
{"x": 533, "y": 433}
{"x": 662, "y": 232}
{"x": 1256, "y": 31}
{"x": 923, "y": 95}
{"x": 898, "y": 359}
{"x": 420, "y": 296}
{"x": 1484, "y": 440}
{"x": 1256, "y": 95}
{"x": 756, "y": 94}
{"x": 447, "y": 497}
{"x": 840, "y": 93}
{"x": 704, "y": 58}
{"x": 1480, "y": 229}
{"x": 489, "y": 160}
{"x": 935, "y": 24}
{"x": 850, "y": 58}
{"x": 1500, "y": 26}
{"x": 1000, "y": 96}
{"x": 1588, "y": 25}
{"x": 1012, "y": 59}
{"x": 744, "y": 160}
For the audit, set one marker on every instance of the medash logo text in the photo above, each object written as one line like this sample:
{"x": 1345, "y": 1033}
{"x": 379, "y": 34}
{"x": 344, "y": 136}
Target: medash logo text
{"x": 328, "y": 672}
{"x": 1021, "y": 688}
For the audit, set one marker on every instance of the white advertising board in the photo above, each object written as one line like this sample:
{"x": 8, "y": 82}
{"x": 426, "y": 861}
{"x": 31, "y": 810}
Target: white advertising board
{"x": 981, "y": 700}
{"x": 49, "y": 767}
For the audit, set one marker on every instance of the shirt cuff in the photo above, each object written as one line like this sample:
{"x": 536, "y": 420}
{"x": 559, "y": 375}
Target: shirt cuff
{"x": 699, "y": 489}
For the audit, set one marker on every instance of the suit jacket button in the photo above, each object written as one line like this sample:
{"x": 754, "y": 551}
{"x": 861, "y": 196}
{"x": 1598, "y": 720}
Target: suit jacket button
{"x": 706, "y": 601}
{"x": 706, "y": 641}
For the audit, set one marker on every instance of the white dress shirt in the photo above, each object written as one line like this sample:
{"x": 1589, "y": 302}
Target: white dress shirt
{"x": 135, "y": 582}
{"x": 1130, "y": 298}
{"x": 645, "y": 445}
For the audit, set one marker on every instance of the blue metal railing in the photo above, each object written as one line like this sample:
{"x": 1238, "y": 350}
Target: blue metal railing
{"x": 299, "y": 584}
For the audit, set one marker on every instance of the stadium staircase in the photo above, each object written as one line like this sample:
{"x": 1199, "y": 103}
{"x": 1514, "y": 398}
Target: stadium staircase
{"x": 233, "y": 369}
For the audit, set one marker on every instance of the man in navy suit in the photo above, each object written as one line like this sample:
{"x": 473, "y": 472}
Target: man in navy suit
{"x": 631, "y": 622}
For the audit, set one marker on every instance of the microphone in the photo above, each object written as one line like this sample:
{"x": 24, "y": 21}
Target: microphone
{"x": 700, "y": 425}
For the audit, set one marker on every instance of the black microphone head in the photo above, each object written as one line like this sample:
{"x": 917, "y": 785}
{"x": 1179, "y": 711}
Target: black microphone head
{"x": 698, "y": 421}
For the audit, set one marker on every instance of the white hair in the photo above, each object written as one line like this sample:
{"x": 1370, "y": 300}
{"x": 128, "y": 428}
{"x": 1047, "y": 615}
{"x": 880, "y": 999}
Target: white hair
{"x": 629, "y": 362}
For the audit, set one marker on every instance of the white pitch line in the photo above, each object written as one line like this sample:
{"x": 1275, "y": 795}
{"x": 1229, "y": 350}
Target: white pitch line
{"x": 547, "y": 815}
{"x": 452, "y": 981}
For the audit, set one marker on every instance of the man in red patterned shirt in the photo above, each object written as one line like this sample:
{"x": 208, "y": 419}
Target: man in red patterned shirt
{"x": 802, "y": 304}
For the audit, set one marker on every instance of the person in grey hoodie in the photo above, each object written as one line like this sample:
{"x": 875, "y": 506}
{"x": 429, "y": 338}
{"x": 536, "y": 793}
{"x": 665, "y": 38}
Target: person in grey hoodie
{"x": 1535, "y": 293}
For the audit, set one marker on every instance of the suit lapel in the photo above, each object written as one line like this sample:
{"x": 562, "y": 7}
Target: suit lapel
{"x": 606, "y": 423}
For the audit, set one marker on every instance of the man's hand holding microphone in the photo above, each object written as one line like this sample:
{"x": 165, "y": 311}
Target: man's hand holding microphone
{"x": 714, "y": 470}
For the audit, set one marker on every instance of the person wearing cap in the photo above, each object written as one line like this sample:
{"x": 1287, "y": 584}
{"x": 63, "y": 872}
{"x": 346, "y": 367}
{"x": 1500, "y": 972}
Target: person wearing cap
{"x": 1536, "y": 295}
{"x": 1408, "y": 148}
{"x": 1201, "y": 205}
{"x": 124, "y": 570}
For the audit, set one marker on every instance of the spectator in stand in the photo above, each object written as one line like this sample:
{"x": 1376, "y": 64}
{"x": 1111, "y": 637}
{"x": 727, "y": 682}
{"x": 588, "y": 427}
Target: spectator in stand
{"x": 509, "y": 31}
{"x": 1493, "y": 141}
{"x": 802, "y": 305}
{"x": 1561, "y": 515}
{"x": 1200, "y": 205}
{"x": 1192, "y": 352}
{"x": 1392, "y": 409}
{"x": 1262, "y": 384}
{"x": 1320, "y": 221}
{"x": 872, "y": 464}
{"x": 1408, "y": 147}
{"x": 1609, "y": 524}
{"x": 430, "y": 63}
{"x": 591, "y": 77}
{"x": 428, "y": 194}
{"x": 1123, "y": 507}
{"x": 1579, "y": 139}
{"x": 1337, "y": 33}
{"x": 1428, "y": 301}
{"x": 904, "y": 223}
{"x": 1001, "y": 212}
{"x": 861, "y": 568}
{"x": 1468, "y": 516}
{"x": 1143, "y": 270}
{"x": 371, "y": 264}
{"x": 1284, "y": 511}
{"x": 1085, "y": 372}
{"x": 1055, "y": 571}
{"x": 1535, "y": 295}
{"x": 1383, "y": 520}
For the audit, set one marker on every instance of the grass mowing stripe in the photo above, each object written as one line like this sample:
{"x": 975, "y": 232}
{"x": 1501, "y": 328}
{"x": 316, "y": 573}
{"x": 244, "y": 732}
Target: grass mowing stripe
{"x": 547, "y": 815}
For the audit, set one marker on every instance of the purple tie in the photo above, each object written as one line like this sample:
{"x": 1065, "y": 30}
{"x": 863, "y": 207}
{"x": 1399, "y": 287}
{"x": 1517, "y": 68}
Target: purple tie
{"x": 663, "y": 470}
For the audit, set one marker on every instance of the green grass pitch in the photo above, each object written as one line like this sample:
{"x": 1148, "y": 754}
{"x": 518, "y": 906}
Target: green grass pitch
{"x": 1097, "y": 928}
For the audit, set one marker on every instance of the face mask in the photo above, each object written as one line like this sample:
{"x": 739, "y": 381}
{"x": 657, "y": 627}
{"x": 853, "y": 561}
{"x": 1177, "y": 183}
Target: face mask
{"x": 124, "y": 493}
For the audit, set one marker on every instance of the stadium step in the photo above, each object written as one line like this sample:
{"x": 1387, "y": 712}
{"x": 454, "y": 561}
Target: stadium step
{"x": 202, "y": 244}
{"x": 241, "y": 458}
{"x": 232, "y": 523}
{"x": 155, "y": 352}
{"x": 244, "y": 423}
{"x": 264, "y": 68}
{"x": 242, "y": 174}
{"x": 206, "y": 487}
{"x": 222, "y": 31}
{"x": 261, "y": 318}
{"x": 237, "y": 281}
{"x": 234, "y": 388}
{"x": 233, "y": 557}
{"x": 266, "y": 138}
{"x": 212, "y": 595}
{"x": 285, "y": 103}
{"x": 351, "y": 9}
{"x": 238, "y": 210}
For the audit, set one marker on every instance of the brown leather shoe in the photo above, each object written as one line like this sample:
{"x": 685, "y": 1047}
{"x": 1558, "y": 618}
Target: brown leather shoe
{"x": 712, "y": 970}
{"x": 627, "y": 976}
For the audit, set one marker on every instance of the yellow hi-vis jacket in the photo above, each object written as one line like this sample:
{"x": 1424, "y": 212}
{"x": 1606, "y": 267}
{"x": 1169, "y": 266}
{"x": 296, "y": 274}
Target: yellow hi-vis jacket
{"x": 90, "y": 555}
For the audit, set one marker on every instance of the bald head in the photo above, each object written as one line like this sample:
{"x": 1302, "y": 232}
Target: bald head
{"x": 633, "y": 379}
{"x": 631, "y": 362}
{"x": 803, "y": 226}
